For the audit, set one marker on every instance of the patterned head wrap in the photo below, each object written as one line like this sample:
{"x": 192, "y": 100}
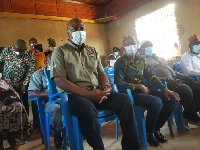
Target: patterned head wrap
{"x": 51, "y": 42}
{"x": 193, "y": 37}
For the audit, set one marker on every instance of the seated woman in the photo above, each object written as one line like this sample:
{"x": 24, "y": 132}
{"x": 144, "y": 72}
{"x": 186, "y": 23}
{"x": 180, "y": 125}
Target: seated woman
{"x": 14, "y": 121}
{"x": 130, "y": 72}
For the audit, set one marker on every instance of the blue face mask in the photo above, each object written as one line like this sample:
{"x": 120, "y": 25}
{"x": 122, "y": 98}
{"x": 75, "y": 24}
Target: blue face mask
{"x": 196, "y": 49}
{"x": 149, "y": 51}
{"x": 116, "y": 53}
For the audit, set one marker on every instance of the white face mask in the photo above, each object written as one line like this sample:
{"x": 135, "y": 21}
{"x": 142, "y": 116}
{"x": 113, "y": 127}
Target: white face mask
{"x": 112, "y": 63}
{"x": 17, "y": 53}
{"x": 52, "y": 48}
{"x": 79, "y": 37}
{"x": 131, "y": 50}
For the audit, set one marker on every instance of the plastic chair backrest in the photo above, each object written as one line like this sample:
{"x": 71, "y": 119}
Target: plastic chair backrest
{"x": 109, "y": 71}
{"x": 63, "y": 100}
{"x": 52, "y": 87}
{"x": 177, "y": 66}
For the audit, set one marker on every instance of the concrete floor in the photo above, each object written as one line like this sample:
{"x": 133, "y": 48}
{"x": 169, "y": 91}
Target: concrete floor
{"x": 190, "y": 140}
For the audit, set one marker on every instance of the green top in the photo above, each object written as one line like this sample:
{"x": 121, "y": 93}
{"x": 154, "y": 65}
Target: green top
{"x": 80, "y": 67}
{"x": 17, "y": 67}
{"x": 128, "y": 74}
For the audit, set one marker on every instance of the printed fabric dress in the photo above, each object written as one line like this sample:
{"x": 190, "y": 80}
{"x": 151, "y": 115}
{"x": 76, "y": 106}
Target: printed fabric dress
{"x": 13, "y": 116}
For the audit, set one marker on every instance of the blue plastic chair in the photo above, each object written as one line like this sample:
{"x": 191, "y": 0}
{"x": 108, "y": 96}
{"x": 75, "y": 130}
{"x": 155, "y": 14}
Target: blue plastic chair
{"x": 140, "y": 120}
{"x": 139, "y": 111}
{"x": 43, "y": 121}
{"x": 177, "y": 66}
{"x": 74, "y": 135}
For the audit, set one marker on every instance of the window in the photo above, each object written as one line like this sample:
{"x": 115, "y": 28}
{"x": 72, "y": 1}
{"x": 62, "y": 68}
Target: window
{"x": 159, "y": 27}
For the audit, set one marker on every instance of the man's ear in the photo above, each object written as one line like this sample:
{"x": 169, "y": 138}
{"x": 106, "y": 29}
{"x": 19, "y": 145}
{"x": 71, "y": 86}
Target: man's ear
{"x": 69, "y": 34}
{"x": 191, "y": 46}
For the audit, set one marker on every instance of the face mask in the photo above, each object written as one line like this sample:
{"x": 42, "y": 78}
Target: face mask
{"x": 149, "y": 51}
{"x": 196, "y": 49}
{"x": 48, "y": 67}
{"x": 51, "y": 48}
{"x": 78, "y": 37}
{"x": 116, "y": 53}
{"x": 131, "y": 49}
{"x": 112, "y": 63}
{"x": 17, "y": 53}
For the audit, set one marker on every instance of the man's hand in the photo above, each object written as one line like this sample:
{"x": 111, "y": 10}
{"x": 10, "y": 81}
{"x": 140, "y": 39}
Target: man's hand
{"x": 191, "y": 79}
{"x": 143, "y": 88}
{"x": 23, "y": 89}
{"x": 173, "y": 84}
{"x": 107, "y": 87}
{"x": 98, "y": 95}
{"x": 168, "y": 93}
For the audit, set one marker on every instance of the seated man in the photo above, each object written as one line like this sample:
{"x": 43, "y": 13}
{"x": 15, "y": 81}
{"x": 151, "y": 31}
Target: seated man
{"x": 175, "y": 82}
{"x": 38, "y": 88}
{"x": 130, "y": 70}
{"x": 113, "y": 57}
{"x": 39, "y": 63}
{"x": 76, "y": 68}
{"x": 190, "y": 61}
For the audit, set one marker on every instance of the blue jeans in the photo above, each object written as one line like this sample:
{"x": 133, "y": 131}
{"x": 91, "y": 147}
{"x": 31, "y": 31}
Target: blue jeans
{"x": 159, "y": 108}
{"x": 86, "y": 112}
{"x": 55, "y": 118}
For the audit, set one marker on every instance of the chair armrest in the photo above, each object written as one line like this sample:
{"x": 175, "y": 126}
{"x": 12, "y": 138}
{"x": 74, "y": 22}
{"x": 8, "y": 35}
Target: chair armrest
{"x": 114, "y": 87}
{"x": 34, "y": 98}
{"x": 54, "y": 98}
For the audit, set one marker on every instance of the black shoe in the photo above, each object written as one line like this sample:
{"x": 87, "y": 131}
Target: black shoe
{"x": 160, "y": 137}
{"x": 151, "y": 139}
{"x": 1, "y": 148}
{"x": 58, "y": 142}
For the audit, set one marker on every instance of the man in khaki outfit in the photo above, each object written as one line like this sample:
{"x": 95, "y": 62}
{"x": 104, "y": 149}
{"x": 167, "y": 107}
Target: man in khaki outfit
{"x": 76, "y": 68}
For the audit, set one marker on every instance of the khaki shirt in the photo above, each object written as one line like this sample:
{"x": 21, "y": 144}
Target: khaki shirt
{"x": 79, "y": 67}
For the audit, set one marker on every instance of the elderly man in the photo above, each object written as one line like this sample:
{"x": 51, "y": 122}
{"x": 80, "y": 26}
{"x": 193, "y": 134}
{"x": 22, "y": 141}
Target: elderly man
{"x": 38, "y": 88}
{"x": 130, "y": 72}
{"x": 175, "y": 81}
{"x": 76, "y": 68}
{"x": 190, "y": 61}
{"x": 18, "y": 68}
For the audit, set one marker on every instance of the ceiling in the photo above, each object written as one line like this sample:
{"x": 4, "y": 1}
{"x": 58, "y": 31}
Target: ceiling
{"x": 91, "y": 2}
{"x": 100, "y": 11}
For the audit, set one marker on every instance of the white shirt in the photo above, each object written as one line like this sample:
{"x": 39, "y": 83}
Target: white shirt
{"x": 190, "y": 64}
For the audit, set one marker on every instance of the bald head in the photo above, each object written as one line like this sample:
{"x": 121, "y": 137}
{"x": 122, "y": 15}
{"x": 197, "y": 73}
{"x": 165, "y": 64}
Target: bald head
{"x": 20, "y": 45}
{"x": 74, "y": 22}
{"x": 73, "y": 25}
